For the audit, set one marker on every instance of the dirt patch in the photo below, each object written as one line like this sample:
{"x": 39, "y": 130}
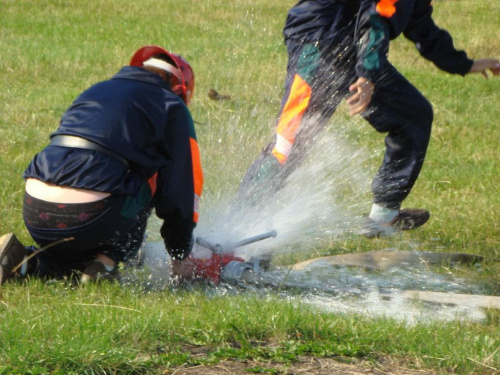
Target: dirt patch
{"x": 304, "y": 366}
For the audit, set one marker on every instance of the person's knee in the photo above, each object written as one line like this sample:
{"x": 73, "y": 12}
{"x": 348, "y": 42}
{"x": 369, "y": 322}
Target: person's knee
{"x": 413, "y": 125}
{"x": 421, "y": 129}
{"x": 426, "y": 113}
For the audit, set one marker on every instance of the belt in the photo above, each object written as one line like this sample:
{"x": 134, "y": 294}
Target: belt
{"x": 78, "y": 142}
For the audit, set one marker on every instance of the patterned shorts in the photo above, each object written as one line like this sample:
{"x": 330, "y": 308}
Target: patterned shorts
{"x": 41, "y": 214}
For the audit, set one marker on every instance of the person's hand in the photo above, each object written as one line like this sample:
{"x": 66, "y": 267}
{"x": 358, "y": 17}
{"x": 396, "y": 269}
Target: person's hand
{"x": 362, "y": 91}
{"x": 183, "y": 269}
{"x": 483, "y": 65}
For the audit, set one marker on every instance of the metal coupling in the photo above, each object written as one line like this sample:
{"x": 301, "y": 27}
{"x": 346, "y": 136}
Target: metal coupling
{"x": 234, "y": 271}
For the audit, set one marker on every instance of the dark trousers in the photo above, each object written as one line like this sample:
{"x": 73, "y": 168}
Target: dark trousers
{"x": 318, "y": 79}
{"x": 117, "y": 231}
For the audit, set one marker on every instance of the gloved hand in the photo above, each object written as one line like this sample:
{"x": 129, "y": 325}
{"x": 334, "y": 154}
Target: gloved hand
{"x": 182, "y": 265}
{"x": 180, "y": 253}
{"x": 183, "y": 269}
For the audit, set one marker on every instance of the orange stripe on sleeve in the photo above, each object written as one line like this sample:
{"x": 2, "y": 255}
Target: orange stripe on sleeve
{"x": 386, "y": 8}
{"x": 197, "y": 177}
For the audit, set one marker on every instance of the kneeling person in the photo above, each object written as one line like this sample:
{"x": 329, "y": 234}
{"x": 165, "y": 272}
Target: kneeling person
{"x": 125, "y": 146}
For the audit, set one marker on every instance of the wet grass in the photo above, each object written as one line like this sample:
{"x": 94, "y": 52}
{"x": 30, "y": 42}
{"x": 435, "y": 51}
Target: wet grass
{"x": 52, "y": 50}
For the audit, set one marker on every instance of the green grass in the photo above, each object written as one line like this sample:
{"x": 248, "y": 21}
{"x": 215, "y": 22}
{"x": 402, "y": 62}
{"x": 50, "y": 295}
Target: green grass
{"x": 108, "y": 329}
{"x": 52, "y": 50}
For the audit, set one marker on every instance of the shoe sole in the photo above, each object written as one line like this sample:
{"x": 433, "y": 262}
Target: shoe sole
{"x": 412, "y": 219}
{"x": 408, "y": 219}
{"x": 8, "y": 242}
{"x": 5, "y": 241}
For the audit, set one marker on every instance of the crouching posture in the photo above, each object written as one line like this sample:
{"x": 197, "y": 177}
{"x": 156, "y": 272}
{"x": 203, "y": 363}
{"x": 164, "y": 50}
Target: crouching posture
{"x": 125, "y": 146}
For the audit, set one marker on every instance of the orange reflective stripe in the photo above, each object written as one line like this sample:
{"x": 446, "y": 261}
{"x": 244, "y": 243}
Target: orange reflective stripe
{"x": 386, "y": 8}
{"x": 280, "y": 156}
{"x": 294, "y": 109}
{"x": 152, "y": 183}
{"x": 197, "y": 176}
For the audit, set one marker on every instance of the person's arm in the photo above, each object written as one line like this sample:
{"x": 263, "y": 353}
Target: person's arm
{"x": 372, "y": 37}
{"x": 179, "y": 185}
{"x": 434, "y": 43}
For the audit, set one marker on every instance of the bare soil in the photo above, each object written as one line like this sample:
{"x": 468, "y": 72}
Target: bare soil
{"x": 304, "y": 366}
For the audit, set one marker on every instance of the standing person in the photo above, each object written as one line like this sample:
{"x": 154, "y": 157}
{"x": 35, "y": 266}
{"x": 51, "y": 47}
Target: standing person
{"x": 338, "y": 49}
{"x": 125, "y": 146}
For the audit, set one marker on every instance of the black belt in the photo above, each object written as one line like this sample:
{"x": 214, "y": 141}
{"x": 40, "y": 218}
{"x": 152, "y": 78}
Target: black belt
{"x": 78, "y": 142}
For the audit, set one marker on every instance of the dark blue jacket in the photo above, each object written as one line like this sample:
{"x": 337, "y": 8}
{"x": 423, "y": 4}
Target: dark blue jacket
{"x": 375, "y": 23}
{"x": 135, "y": 115}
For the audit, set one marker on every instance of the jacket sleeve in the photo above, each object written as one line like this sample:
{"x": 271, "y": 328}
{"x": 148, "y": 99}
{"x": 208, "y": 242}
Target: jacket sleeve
{"x": 179, "y": 185}
{"x": 433, "y": 43}
{"x": 372, "y": 36}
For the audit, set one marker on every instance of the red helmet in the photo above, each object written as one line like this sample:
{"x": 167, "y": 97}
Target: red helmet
{"x": 183, "y": 83}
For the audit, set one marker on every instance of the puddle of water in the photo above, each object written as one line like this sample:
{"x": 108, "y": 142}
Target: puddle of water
{"x": 343, "y": 290}
{"x": 377, "y": 293}
{"x": 397, "y": 306}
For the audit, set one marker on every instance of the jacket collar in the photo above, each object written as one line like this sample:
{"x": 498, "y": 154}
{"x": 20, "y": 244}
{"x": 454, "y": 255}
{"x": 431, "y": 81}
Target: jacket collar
{"x": 140, "y": 74}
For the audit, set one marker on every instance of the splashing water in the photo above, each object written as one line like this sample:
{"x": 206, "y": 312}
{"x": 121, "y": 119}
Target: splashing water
{"x": 322, "y": 200}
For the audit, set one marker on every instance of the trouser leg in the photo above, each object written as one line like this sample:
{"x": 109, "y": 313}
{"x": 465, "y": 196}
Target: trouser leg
{"x": 401, "y": 111}
{"x": 128, "y": 245}
{"x": 116, "y": 231}
{"x": 317, "y": 79}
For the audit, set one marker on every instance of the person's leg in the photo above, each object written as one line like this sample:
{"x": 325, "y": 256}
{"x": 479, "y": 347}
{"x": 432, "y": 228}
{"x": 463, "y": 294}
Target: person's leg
{"x": 401, "y": 111}
{"x": 55, "y": 227}
{"x": 72, "y": 244}
{"x": 317, "y": 79}
{"x": 126, "y": 246}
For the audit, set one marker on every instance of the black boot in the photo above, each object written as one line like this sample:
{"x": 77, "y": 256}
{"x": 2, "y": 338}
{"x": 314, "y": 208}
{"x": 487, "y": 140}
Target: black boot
{"x": 12, "y": 253}
{"x": 407, "y": 219}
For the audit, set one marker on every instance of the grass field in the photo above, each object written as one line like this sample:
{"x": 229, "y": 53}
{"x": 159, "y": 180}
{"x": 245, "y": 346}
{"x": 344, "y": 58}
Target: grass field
{"x": 52, "y": 50}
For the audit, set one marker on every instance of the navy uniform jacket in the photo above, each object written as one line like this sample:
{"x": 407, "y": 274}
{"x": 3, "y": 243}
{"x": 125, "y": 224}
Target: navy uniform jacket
{"x": 375, "y": 23}
{"x": 135, "y": 115}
